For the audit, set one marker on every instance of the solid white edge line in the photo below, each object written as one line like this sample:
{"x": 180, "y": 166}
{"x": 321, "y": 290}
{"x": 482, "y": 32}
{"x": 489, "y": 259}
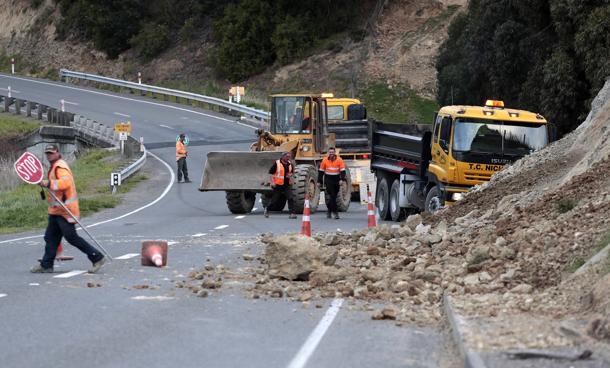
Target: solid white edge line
{"x": 121, "y": 114}
{"x": 167, "y": 189}
{"x": 69, "y": 274}
{"x": 128, "y": 256}
{"x": 128, "y": 99}
{"x": 239, "y": 217}
{"x": 165, "y": 126}
{"x": 316, "y": 335}
{"x": 2, "y": 295}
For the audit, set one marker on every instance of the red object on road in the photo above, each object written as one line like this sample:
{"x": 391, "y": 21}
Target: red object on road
{"x": 29, "y": 168}
{"x": 60, "y": 254}
{"x": 371, "y": 210}
{"x": 154, "y": 253}
{"x": 306, "y": 225}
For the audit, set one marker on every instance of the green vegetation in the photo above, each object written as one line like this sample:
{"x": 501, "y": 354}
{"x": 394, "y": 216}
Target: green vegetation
{"x": 565, "y": 205}
{"x": 575, "y": 264}
{"x": 11, "y": 125}
{"x": 397, "y": 104}
{"x": 547, "y": 56}
{"x": 22, "y": 208}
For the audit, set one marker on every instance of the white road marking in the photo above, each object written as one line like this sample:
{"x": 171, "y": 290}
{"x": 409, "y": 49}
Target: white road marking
{"x": 128, "y": 255}
{"x": 254, "y": 209}
{"x": 123, "y": 115}
{"x": 184, "y": 118}
{"x": 220, "y": 227}
{"x": 70, "y": 103}
{"x": 316, "y": 335}
{"x": 129, "y": 99}
{"x": 171, "y": 242}
{"x": 34, "y": 284}
{"x": 12, "y": 90}
{"x": 69, "y": 274}
{"x": 169, "y": 186}
{"x": 159, "y": 298}
{"x": 198, "y": 235}
{"x": 2, "y": 295}
{"x": 165, "y": 126}
{"x": 239, "y": 217}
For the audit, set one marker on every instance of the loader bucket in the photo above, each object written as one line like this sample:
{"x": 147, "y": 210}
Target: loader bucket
{"x": 247, "y": 171}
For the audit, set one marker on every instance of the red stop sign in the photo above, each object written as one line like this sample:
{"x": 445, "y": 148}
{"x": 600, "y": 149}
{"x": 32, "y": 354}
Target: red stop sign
{"x": 29, "y": 168}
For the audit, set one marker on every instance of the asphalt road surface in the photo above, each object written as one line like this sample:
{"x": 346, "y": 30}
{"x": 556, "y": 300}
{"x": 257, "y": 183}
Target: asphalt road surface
{"x": 74, "y": 319}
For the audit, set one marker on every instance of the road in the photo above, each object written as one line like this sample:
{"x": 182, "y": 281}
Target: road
{"x": 75, "y": 319}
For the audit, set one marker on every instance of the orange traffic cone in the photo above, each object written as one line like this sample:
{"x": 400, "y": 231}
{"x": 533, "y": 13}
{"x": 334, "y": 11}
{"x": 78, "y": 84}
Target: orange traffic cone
{"x": 60, "y": 254}
{"x": 154, "y": 253}
{"x": 371, "y": 209}
{"x": 306, "y": 226}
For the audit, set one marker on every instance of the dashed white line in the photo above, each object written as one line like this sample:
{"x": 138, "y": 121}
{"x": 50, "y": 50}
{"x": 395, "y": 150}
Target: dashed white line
{"x": 220, "y": 227}
{"x": 34, "y": 284}
{"x": 2, "y": 295}
{"x": 12, "y": 90}
{"x": 70, "y": 103}
{"x": 198, "y": 235}
{"x": 165, "y": 126}
{"x": 316, "y": 335}
{"x": 172, "y": 242}
{"x": 123, "y": 115}
{"x": 69, "y": 274}
{"x": 239, "y": 217}
{"x": 128, "y": 255}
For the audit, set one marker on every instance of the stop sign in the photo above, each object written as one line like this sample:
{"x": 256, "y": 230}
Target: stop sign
{"x": 29, "y": 168}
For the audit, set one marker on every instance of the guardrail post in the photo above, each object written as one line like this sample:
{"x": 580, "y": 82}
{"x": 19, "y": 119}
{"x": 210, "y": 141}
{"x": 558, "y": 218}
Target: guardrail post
{"x": 7, "y": 103}
{"x": 17, "y": 107}
{"x": 40, "y": 109}
{"x": 28, "y": 109}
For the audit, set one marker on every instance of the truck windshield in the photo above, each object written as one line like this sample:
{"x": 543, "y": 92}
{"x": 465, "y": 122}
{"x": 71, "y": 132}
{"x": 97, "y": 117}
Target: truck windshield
{"x": 491, "y": 136}
{"x": 288, "y": 115}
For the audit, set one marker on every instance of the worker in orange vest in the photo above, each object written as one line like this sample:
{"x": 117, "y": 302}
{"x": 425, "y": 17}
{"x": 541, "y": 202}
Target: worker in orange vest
{"x": 331, "y": 173}
{"x": 61, "y": 223}
{"x": 281, "y": 181}
{"x": 181, "y": 154}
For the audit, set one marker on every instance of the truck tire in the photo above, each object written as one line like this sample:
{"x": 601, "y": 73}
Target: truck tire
{"x": 382, "y": 198}
{"x": 396, "y": 213}
{"x": 345, "y": 193}
{"x": 273, "y": 204}
{"x": 240, "y": 202}
{"x": 434, "y": 200}
{"x": 305, "y": 179}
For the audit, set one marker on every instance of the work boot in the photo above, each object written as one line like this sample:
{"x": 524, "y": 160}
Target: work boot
{"x": 97, "y": 265}
{"x": 266, "y": 213}
{"x": 337, "y": 216}
{"x": 292, "y": 216}
{"x": 187, "y": 180}
{"x": 328, "y": 214}
{"x": 39, "y": 269}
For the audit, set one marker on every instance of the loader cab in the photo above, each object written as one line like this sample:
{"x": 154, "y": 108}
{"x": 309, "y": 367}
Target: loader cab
{"x": 303, "y": 116}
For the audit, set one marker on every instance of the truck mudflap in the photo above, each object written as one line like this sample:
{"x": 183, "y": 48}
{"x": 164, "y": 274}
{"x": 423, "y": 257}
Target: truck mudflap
{"x": 238, "y": 171}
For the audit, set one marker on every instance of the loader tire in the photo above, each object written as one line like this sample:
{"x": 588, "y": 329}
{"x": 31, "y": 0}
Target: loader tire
{"x": 273, "y": 204}
{"x": 345, "y": 193}
{"x": 305, "y": 179}
{"x": 240, "y": 202}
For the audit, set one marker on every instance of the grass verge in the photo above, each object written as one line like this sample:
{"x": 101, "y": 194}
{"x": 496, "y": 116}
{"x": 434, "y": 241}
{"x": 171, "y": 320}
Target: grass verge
{"x": 23, "y": 210}
{"x": 13, "y": 125}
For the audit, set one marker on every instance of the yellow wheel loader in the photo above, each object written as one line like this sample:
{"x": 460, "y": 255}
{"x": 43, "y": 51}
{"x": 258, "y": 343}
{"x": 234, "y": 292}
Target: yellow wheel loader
{"x": 299, "y": 124}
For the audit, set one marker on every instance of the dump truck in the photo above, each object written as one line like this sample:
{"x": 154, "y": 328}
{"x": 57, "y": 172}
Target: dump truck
{"x": 299, "y": 124}
{"x": 425, "y": 167}
{"x": 347, "y": 119}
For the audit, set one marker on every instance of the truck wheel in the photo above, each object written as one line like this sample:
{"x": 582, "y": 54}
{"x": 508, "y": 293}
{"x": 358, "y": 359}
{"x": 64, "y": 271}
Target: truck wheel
{"x": 305, "y": 179}
{"x": 274, "y": 204}
{"x": 396, "y": 213}
{"x": 434, "y": 200}
{"x": 240, "y": 201}
{"x": 344, "y": 197}
{"x": 382, "y": 198}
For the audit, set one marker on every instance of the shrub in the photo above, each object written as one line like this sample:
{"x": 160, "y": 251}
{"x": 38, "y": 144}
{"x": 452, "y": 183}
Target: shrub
{"x": 151, "y": 40}
{"x": 290, "y": 39}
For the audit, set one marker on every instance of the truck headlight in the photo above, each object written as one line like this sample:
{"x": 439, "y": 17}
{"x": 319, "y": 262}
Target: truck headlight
{"x": 457, "y": 196}
{"x": 305, "y": 148}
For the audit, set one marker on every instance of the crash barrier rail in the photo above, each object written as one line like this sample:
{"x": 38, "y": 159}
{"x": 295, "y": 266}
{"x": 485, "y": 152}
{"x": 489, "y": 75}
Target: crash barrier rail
{"x": 86, "y": 130}
{"x": 248, "y": 112}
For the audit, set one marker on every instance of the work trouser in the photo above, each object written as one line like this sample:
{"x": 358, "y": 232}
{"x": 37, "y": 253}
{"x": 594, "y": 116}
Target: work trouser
{"x": 286, "y": 191}
{"x": 332, "y": 185}
{"x": 182, "y": 169}
{"x": 59, "y": 227}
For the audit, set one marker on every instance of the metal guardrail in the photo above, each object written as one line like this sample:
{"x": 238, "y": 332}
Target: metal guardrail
{"x": 134, "y": 166}
{"x": 248, "y": 111}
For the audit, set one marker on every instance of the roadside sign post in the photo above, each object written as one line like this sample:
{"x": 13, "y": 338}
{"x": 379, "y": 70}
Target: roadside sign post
{"x": 12, "y": 66}
{"x": 115, "y": 181}
{"x": 124, "y": 130}
{"x": 29, "y": 168}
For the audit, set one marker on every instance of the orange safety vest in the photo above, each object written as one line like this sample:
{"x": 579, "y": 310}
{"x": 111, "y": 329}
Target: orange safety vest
{"x": 278, "y": 177}
{"x": 332, "y": 167}
{"x": 61, "y": 183}
{"x": 180, "y": 150}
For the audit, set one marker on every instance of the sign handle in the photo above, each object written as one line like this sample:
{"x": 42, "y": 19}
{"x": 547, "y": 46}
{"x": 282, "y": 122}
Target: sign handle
{"x": 81, "y": 225}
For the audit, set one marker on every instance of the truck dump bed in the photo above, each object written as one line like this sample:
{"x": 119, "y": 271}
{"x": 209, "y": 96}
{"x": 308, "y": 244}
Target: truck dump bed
{"x": 395, "y": 147}
{"x": 351, "y": 136}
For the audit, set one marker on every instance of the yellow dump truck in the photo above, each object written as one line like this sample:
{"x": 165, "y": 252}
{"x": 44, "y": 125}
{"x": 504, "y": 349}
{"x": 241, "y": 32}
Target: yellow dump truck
{"x": 424, "y": 167}
{"x": 299, "y": 124}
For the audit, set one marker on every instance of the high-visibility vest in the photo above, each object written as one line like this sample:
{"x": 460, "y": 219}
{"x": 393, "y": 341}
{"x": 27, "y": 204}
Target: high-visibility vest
{"x": 61, "y": 183}
{"x": 180, "y": 150}
{"x": 278, "y": 177}
{"x": 332, "y": 167}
